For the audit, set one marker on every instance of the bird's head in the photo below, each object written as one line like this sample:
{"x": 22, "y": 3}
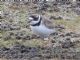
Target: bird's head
{"x": 34, "y": 19}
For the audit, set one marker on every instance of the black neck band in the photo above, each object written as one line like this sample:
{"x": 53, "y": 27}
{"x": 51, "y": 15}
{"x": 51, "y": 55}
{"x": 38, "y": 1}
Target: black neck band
{"x": 37, "y": 24}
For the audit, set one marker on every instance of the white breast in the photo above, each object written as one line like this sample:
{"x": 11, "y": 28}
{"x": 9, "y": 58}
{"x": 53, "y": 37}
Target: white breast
{"x": 42, "y": 30}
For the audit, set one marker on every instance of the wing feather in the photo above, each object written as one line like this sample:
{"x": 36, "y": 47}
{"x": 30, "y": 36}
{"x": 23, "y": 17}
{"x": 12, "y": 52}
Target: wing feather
{"x": 48, "y": 23}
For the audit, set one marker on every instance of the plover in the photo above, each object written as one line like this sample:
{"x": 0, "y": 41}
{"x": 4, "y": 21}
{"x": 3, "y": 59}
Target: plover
{"x": 41, "y": 26}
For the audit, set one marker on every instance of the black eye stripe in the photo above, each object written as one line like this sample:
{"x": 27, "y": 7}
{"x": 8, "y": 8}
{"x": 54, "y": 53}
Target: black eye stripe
{"x": 35, "y": 18}
{"x": 37, "y": 24}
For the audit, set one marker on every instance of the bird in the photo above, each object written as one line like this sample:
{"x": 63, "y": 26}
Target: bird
{"x": 41, "y": 26}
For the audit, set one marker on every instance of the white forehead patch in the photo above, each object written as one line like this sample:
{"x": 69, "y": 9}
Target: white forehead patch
{"x": 47, "y": 0}
{"x": 30, "y": 18}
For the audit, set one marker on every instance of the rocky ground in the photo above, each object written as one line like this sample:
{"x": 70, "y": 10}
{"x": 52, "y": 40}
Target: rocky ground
{"x": 17, "y": 41}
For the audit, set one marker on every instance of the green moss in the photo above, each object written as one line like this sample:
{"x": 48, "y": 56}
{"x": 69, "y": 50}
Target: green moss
{"x": 69, "y": 24}
{"x": 33, "y": 43}
{"x": 1, "y": 6}
{"x": 7, "y": 43}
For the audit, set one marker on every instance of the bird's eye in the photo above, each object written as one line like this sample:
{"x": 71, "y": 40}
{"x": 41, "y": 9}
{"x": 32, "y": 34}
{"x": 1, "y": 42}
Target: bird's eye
{"x": 34, "y": 18}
